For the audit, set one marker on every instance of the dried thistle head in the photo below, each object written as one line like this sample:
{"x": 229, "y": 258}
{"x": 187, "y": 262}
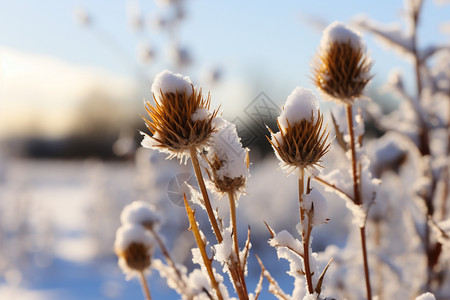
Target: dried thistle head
{"x": 302, "y": 139}
{"x": 225, "y": 184}
{"x": 133, "y": 246}
{"x": 180, "y": 118}
{"x": 227, "y": 160}
{"x": 136, "y": 256}
{"x": 341, "y": 68}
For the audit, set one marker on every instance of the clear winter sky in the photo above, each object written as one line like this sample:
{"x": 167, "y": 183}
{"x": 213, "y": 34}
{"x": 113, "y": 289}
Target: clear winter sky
{"x": 260, "y": 45}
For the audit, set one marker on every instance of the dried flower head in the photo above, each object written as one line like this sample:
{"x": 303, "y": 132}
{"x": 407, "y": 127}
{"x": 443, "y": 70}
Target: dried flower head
{"x": 302, "y": 140}
{"x": 180, "y": 118}
{"x": 341, "y": 67}
{"x": 133, "y": 247}
{"x": 227, "y": 160}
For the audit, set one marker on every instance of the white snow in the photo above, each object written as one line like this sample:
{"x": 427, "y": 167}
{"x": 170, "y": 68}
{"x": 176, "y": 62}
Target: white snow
{"x": 285, "y": 239}
{"x": 226, "y": 144}
{"x": 224, "y": 249}
{"x": 200, "y": 114}
{"x": 168, "y": 82}
{"x": 426, "y": 296}
{"x": 130, "y": 233}
{"x": 338, "y": 32}
{"x": 320, "y": 206}
{"x": 139, "y": 213}
{"x": 301, "y": 104}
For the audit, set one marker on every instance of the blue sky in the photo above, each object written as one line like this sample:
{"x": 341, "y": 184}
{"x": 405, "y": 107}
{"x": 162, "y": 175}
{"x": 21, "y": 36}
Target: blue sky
{"x": 260, "y": 45}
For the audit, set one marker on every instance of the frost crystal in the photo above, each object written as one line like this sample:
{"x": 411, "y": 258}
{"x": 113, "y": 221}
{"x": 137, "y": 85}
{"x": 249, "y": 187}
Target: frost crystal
{"x": 168, "y": 82}
{"x": 301, "y": 104}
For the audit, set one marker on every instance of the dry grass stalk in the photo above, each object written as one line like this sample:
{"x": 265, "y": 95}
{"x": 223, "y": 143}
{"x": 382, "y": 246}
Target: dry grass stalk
{"x": 201, "y": 245}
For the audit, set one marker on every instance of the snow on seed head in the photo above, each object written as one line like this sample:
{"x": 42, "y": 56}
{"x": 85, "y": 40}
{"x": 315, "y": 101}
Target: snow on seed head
{"x": 140, "y": 213}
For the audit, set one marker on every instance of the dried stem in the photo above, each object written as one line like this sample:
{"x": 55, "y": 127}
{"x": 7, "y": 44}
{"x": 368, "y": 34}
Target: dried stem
{"x": 201, "y": 183}
{"x": 338, "y": 190}
{"x": 145, "y": 287}
{"x": 362, "y": 230}
{"x": 357, "y": 198}
{"x": 240, "y": 267}
{"x": 305, "y": 234}
{"x": 180, "y": 282}
{"x": 273, "y": 287}
{"x": 201, "y": 246}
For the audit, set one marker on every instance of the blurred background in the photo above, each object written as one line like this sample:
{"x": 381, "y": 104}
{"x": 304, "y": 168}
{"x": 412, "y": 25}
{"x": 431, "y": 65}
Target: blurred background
{"x": 73, "y": 77}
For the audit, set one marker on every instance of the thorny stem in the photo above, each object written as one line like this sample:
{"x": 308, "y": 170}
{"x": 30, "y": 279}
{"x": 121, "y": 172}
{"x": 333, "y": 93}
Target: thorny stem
{"x": 201, "y": 246}
{"x": 144, "y": 284}
{"x": 357, "y": 198}
{"x": 305, "y": 235}
{"x": 201, "y": 183}
{"x": 240, "y": 267}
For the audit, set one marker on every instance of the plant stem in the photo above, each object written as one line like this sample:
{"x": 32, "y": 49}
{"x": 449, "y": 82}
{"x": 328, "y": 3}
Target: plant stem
{"x": 357, "y": 195}
{"x": 180, "y": 282}
{"x": 305, "y": 234}
{"x": 240, "y": 268}
{"x": 201, "y": 183}
{"x": 357, "y": 198}
{"x": 201, "y": 246}
{"x": 144, "y": 284}
{"x": 362, "y": 230}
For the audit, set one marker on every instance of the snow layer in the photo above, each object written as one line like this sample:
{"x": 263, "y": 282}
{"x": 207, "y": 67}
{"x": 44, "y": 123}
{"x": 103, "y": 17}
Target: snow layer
{"x": 300, "y": 105}
{"x": 285, "y": 239}
{"x": 224, "y": 249}
{"x": 226, "y": 144}
{"x": 128, "y": 234}
{"x": 168, "y": 82}
{"x": 139, "y": 213}
{"x": 426, "y": 296}
{"x": 338, "y": 32}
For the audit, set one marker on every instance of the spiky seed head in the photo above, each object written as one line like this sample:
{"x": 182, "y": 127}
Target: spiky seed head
{"x": 133, "y": 246}
{"x": 225, "y": 184}
{"x": 137, "y": 256}
{"x": 302, "y": 145}
{"x": 302, "y": 140}
{"x": 179, "y": 120}
{"x": 341, "y": 67}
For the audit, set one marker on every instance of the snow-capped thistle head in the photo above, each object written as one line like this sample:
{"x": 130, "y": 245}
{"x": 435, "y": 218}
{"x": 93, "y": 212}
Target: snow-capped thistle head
{"x": 133, "y": 246}
{"x": 302, "y": 140}
{"x": 140, "y": 213}
{"x": 341, "y": 66}
{"x": 227, "y": 160}
{"x": 180, "y": 118}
